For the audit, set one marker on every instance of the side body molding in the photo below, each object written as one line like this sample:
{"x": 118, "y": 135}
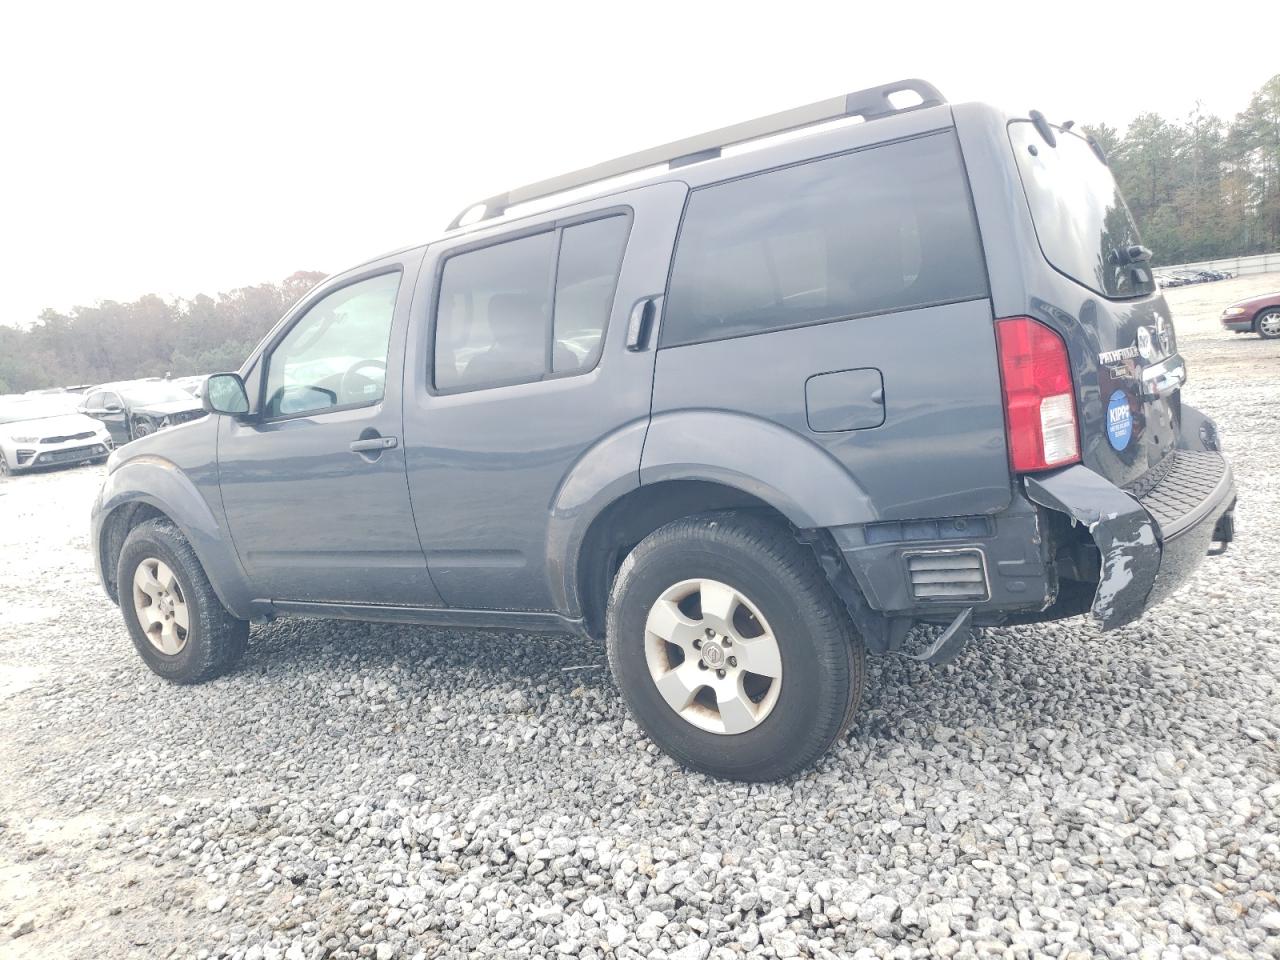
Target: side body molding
{"x": 797, "y": 477}
{"x": 160, "y": 483}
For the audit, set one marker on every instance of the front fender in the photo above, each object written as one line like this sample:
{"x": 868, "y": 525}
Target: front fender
{"x": 794, "y": 475}
{"x": 159, "y": 483}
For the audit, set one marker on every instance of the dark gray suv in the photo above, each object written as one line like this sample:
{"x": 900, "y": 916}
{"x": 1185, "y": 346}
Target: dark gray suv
{"x": 744, "y": 419}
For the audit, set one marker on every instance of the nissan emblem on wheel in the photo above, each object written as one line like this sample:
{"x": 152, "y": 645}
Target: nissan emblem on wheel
{"x": 745, "y": 421}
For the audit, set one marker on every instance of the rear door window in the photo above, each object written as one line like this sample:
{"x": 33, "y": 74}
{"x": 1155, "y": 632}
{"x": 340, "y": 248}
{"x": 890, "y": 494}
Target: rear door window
{"x": 875, "y": 231}
{"x": 587, "y": 275}
{"x": 527, "y": 309}
{"x": 494, "y": 314}
{"x": 1081, "y": 221}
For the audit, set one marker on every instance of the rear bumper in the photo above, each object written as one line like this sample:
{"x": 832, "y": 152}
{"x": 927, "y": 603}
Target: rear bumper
{"x": 1150, "y": 539}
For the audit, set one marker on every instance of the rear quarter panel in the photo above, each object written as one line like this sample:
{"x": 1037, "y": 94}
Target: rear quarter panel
{"x": 940, "y": 451}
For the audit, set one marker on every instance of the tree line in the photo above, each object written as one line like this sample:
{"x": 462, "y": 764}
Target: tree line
{"x": 147, "y": 337}
{"x": 1203, "y": 187}
{"x": 1199, "y": 188}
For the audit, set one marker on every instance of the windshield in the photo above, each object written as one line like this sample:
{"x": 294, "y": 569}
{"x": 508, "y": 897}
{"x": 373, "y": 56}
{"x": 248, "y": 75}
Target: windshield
{"x": 154, "y": 393}
{"x": 37, "y": 409}
{"x": 1081, "y": 221}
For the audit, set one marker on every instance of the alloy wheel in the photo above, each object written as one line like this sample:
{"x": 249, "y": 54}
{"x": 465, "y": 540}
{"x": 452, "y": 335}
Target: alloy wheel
{"x": 1269, "y": 324}
{"x": 161, "y": 607}
{"x": 713, "y": 656}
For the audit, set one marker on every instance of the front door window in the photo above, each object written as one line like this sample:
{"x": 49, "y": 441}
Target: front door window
{"x": 335, "y": 357}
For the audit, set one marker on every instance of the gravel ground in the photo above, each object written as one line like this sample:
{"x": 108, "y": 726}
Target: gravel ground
{"x": 387, "y": 792}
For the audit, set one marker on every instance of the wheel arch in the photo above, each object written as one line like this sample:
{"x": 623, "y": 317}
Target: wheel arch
{"x": 616, "y": 530}
{"x": 150, "y": 488}
{"x": 691, "y": 461}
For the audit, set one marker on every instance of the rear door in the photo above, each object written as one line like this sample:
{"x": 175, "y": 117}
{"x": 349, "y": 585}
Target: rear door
{"x": 1087, "y": 280}
{"x": 521, "y": 365}
{"x": 845, "y": 297}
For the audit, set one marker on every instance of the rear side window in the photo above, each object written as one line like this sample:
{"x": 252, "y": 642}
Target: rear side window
{"x": 1081, "y": 221}
{"x": 526, "y": 309}
{"x": 879, "y": 230}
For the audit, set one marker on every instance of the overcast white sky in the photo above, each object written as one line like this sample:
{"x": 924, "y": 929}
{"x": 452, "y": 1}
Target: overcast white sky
{"x": 180, "y": 148}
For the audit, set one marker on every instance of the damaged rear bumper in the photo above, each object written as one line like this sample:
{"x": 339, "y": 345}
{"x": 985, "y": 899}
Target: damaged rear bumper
{"x": 1150, "y": 538}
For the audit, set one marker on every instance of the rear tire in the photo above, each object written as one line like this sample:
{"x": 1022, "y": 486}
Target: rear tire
{"x": 769, "y": 587}
{"x": 178, "y": 625}
{"x": 1268, "y": 324}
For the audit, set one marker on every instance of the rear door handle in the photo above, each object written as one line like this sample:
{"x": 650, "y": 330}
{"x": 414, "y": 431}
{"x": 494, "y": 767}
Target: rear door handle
{"x": 641, "y": 322}
{"x": 374, "y": 444}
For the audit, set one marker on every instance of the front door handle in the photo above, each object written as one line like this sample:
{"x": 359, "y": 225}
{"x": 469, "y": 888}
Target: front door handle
{"x": 374, "y": 444}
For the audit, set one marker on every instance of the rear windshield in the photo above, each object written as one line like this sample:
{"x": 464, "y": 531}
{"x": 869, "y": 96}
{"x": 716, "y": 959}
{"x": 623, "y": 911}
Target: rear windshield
{"x": 1081, "y": 220}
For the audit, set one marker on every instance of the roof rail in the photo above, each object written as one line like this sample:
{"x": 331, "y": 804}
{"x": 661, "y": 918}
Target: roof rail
{"x": 870, "y": 104}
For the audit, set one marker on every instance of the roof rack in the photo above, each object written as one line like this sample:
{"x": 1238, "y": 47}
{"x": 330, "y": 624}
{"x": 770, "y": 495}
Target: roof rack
{"x": 870, "y": 104}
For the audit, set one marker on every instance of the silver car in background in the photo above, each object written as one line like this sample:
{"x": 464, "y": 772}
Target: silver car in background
{"x": 46, "y": 431}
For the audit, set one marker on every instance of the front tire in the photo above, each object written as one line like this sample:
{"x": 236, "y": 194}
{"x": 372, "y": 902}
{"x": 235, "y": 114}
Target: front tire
{"x": 178, "y": 625}
{"x": 730, "y": 648}
{"x": 1268, "y": 324}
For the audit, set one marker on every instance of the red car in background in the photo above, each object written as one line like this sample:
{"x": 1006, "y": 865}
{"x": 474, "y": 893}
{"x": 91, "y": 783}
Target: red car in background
{"x": 1260, "y": 315}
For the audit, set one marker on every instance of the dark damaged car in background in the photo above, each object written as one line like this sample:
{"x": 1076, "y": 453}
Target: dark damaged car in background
{"x": 135, "y": 408}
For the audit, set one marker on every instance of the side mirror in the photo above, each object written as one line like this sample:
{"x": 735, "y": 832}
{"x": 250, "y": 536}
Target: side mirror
{"x": 113, "y": 408}
{"x": 225, "y": 393}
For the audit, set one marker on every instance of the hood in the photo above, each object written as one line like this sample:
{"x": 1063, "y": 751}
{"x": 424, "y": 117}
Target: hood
{"x": 1264, "y": 300}
{"x": 166, "y": 407}
{"x": 62, "y": 426}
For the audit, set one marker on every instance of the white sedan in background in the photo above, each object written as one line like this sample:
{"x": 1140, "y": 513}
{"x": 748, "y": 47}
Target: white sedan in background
{"x": 45, "y": 431}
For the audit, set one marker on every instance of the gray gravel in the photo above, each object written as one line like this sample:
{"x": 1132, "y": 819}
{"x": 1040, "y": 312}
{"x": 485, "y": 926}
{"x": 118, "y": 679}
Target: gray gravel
{"x": 375, "y": 791}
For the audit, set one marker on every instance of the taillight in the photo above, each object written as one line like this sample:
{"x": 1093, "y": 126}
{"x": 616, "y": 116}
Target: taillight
{"x": 1039, "y": 397}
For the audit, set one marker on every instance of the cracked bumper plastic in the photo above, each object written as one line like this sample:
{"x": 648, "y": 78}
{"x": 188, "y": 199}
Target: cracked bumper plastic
{"x": 1148, "y": 545}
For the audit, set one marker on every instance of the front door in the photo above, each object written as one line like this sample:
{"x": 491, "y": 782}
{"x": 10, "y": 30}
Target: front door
{"x": 313, "y": 483}
{"x": 527, "y": 367}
